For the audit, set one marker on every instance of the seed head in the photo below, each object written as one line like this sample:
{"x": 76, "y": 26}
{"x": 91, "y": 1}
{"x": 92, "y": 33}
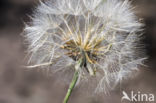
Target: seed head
{"x": 101, "y": 34}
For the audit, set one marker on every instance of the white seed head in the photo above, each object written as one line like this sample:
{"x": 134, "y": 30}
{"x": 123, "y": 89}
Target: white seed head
{"x": 103, "y": 33}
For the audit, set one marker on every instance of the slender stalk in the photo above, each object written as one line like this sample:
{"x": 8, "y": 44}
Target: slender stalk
{"x": 74, "y": 80}
{"x": 72, "y": 85}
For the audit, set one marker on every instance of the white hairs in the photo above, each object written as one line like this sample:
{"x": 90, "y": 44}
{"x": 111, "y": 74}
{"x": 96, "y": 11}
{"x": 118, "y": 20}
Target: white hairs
{"x": 56, "y": 22}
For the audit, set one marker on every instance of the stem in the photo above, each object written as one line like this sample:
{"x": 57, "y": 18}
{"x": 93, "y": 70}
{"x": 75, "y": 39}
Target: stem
{"x": 72, "y": 85}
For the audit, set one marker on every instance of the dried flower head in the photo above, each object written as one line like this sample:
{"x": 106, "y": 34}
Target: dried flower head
{"x": 98, "y": 37}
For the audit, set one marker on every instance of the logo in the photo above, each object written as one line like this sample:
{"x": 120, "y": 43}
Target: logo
{"x": 137, "y": 97}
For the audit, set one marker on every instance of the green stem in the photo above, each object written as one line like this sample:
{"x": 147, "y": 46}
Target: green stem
{"x": 72, "y": 85}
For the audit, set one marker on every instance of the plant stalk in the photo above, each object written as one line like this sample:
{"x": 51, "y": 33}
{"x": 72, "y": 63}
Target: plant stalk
{"x": 71, "y": 86}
